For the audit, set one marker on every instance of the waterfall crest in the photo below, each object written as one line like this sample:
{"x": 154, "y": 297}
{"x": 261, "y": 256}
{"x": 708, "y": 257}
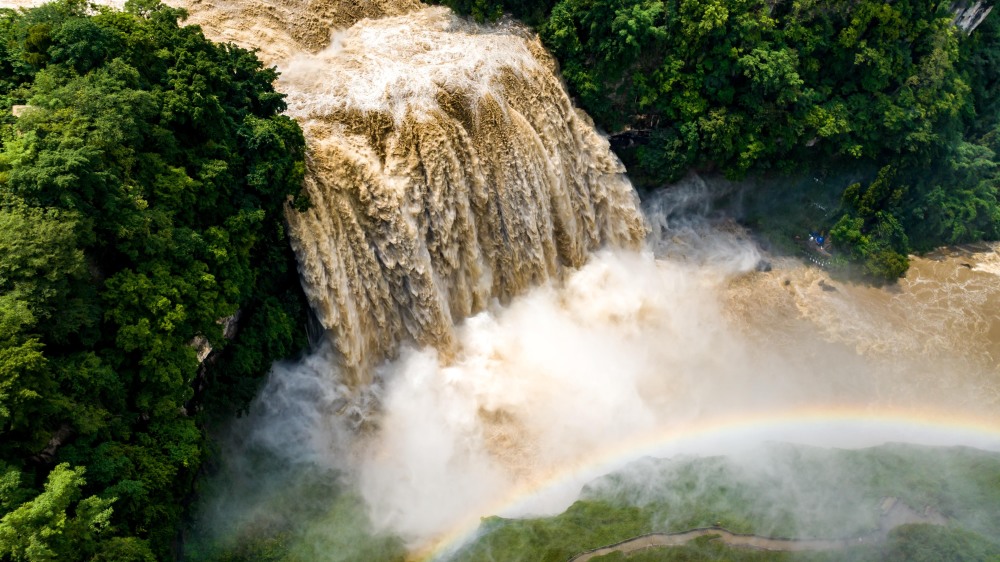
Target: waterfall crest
{"x": 279, "y": 29}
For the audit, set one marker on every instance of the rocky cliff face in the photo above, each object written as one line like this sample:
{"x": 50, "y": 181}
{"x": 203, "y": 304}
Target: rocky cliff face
{"x": 968, "y": 15}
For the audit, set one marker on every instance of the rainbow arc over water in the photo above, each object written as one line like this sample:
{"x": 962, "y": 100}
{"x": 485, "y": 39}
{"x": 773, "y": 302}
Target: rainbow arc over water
{"x": 828, "y": 425}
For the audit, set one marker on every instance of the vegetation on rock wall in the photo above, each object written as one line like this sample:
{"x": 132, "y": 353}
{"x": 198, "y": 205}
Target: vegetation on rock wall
{"x": 765, "y": 88}
{"x": 143, "y": 176}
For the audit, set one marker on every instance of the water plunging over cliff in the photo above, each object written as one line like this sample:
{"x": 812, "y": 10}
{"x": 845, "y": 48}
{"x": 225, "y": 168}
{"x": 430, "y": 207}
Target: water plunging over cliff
{"x": 447, "y": 167}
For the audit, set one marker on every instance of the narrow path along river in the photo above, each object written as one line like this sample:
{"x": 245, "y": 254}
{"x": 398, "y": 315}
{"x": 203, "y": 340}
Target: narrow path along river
{"x": 894, "y": 514}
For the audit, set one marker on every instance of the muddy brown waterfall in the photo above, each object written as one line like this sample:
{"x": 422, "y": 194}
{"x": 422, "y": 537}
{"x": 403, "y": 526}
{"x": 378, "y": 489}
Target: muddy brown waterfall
{"x": 447, "y": 167}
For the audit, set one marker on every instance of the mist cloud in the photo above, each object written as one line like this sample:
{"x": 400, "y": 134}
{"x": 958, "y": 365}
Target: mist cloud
{"x": 684, "y": 332}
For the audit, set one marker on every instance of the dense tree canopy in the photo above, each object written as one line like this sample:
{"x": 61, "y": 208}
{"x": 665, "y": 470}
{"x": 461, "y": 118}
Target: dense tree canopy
{"x": 761, "y": 87}
{"x": 143, "y": 175}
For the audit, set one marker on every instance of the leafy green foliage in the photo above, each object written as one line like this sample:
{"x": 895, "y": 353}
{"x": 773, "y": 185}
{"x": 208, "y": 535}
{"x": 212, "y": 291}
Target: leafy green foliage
{"x": 924, "y": 543}
{"x": 870, "y": 228}
{"x": 584, "y": 526}
{"x": 42, "y": 528}
{"x": 798, "y": 492}
{"x": 959, "y": 203}
{"x": 308, "y": 516}
{"x": 142, "y": 192}
{"x": 748, "y": 85}
{"x": 906, "y": 543}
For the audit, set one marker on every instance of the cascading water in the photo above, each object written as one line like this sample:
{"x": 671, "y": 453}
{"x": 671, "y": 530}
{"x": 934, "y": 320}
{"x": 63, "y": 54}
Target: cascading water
{"x": 442, "y": 176}
{"x": 447, "y": 167}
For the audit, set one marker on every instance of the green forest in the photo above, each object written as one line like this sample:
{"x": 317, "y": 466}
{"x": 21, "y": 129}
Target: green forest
{"x": 754, "y": 88}
{"x": 143, "y": 175}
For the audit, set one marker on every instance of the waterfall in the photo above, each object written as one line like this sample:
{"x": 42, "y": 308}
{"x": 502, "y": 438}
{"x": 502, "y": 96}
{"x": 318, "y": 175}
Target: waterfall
{"x": 447, "y": 167}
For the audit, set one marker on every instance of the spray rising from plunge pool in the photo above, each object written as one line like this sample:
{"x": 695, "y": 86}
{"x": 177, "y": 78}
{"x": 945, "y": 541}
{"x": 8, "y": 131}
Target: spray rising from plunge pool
{"x": 693, "y": 351}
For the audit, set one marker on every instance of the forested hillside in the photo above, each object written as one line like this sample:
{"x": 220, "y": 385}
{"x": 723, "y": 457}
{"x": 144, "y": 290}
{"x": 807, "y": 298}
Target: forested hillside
{"x": 779, "y": 88}
{"x": 145, "y": 280}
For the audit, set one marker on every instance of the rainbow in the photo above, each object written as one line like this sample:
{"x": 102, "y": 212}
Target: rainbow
{"x": 826, "y": 425}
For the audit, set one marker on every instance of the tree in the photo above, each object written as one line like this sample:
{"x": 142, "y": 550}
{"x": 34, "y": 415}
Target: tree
{"x": 758, "y": 87}
{"x": 870, "y": 230}
{"x": 142, "y": 200}
{"x": 56, "y": 524}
